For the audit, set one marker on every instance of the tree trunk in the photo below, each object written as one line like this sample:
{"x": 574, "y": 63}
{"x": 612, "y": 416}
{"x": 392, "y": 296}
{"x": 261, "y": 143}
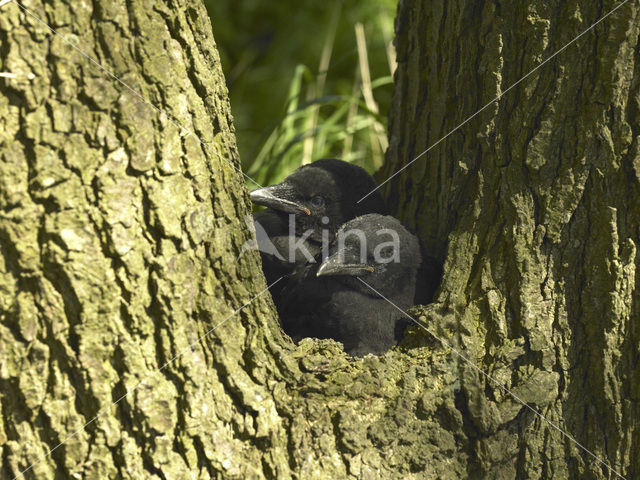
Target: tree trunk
{"x": 119, "y": 233}
{"x": 535, "y": 205}
{"x": 120, "y": 230}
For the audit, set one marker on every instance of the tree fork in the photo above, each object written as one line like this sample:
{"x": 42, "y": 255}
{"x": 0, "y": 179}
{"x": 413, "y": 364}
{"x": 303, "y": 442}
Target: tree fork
{"x": 119, "y": 235}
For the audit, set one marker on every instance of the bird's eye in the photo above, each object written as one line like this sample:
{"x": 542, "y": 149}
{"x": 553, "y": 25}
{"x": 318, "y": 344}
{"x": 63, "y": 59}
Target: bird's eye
{"x": 317, "y": 201}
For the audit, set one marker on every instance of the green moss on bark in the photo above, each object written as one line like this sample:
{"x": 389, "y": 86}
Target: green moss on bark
{"x": 120, "y": 232}
{"x": 534, "y": 206}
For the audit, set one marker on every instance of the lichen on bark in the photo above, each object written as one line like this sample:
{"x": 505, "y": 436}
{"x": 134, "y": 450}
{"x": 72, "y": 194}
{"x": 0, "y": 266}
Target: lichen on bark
{"x": 121, "y": 227}
{"x": 119, "y": 231}
{"x": 534, "y": 205}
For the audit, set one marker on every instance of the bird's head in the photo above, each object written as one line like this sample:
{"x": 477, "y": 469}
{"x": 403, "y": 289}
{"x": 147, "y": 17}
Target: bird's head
{"x": 377, "y": 249}
{"x": 322, "y": 196}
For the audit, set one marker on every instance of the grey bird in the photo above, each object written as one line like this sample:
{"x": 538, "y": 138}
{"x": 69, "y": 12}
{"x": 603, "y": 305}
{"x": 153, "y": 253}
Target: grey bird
{"x": 305, "y": 211}
{"x": 331, "y": 300}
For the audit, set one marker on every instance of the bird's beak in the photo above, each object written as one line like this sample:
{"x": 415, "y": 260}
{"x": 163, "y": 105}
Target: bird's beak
{"x": 334, "y": 266}
{"x": 278, "y": 197}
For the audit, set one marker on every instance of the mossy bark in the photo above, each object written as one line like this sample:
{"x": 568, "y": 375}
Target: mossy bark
{"x": 119, "y": 235}
{"x": 534, "y": 204}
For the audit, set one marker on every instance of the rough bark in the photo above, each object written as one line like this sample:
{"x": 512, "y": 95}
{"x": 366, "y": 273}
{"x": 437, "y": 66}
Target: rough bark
{"x": 535, "y": 206}
{"x": 119, "y": 236}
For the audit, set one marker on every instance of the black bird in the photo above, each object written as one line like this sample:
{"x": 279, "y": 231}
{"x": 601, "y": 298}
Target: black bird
{"x": 306, "y": 210}
{"x": 330, "y": 301}
{"x": 274, "y": 242}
